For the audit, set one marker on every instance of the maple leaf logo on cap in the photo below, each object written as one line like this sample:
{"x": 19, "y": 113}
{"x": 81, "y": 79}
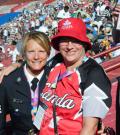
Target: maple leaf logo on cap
{"x": 67, "y": 24}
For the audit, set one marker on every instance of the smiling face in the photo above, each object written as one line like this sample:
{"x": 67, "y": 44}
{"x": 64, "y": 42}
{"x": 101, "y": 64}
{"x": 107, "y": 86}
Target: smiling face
{"x": 35, "y": 56}
{"x": 72, "y": 51}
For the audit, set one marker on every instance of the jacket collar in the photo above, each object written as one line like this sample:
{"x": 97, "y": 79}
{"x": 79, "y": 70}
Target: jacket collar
{"x": 22, "y": 85}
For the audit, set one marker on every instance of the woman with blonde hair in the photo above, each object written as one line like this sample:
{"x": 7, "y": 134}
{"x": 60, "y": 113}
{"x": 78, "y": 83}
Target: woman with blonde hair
{"x": 19, "y": 91}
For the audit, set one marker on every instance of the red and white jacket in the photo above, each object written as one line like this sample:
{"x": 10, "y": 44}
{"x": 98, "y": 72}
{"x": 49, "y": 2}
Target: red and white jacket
{"x": 72, "y": 103}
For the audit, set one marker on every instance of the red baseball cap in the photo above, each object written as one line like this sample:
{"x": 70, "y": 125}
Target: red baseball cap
{"x": 71, "y": 27}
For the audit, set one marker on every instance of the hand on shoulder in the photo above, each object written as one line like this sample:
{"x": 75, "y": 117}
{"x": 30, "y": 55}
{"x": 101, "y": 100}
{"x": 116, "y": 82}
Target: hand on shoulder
{"x": 7, "y": 70}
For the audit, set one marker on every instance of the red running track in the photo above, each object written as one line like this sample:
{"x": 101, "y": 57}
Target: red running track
{"x": 9, "y": 2}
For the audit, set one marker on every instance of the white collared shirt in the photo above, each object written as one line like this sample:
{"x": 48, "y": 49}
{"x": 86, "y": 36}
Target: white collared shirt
{"x": 30, "y": 77}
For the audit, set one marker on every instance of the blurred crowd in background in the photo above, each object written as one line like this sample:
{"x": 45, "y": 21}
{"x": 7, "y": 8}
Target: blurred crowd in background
{"x": 97, "y": 14}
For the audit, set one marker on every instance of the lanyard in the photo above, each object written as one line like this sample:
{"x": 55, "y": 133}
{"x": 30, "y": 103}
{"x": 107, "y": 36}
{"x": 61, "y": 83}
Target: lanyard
{"x": 65, "y": 74}
{"x": 58, "y": 78}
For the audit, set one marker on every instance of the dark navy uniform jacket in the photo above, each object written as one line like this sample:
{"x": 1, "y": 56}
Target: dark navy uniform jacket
{"x": 15, "y": 99}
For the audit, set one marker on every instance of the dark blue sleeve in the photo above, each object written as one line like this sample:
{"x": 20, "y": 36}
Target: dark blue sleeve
{"x": 3, "y": 110}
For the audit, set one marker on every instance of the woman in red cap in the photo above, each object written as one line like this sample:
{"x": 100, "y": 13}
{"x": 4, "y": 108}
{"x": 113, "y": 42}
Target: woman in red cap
{"x": 77, "y": 92}
{"x": 75, "y": 97}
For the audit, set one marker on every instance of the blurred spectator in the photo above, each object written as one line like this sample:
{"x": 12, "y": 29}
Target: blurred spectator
{"x": 116, "y": 32}
{"x": 5, "y": 35}
{"x": 2, "y": 54}
{"x": 64, "y": 13}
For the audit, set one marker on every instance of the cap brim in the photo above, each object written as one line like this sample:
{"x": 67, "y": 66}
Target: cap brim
{"x": 55, "y": 39}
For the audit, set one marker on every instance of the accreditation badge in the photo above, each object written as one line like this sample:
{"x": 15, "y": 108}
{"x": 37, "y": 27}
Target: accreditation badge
{"x": 39, "y": 115}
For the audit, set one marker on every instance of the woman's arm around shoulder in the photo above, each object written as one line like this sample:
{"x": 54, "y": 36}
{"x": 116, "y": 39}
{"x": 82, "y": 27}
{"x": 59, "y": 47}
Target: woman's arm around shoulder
{"x": 7, "y": 70}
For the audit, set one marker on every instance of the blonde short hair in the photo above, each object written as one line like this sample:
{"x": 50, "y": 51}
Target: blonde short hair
{"x": 40, "y": 37}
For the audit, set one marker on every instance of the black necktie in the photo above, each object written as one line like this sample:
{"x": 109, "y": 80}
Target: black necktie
{"x": 34, "y": 83}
